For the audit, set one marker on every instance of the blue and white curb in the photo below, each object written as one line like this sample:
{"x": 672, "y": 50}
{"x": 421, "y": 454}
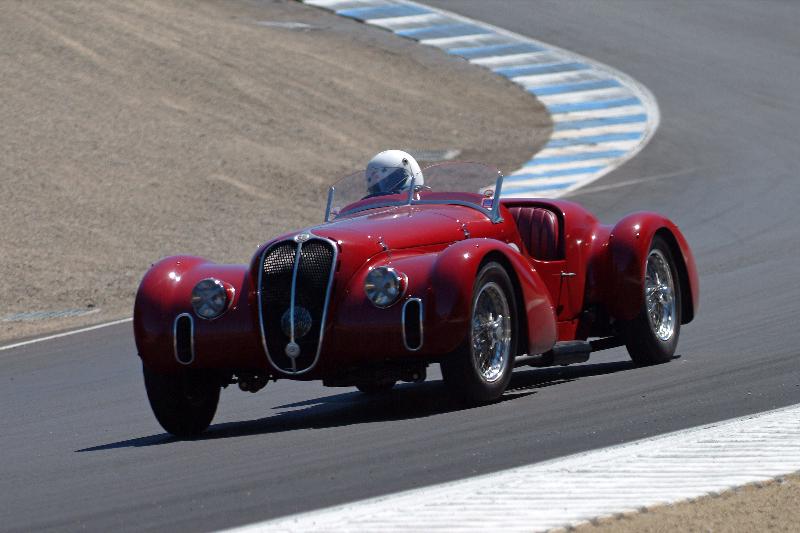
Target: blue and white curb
{"x": 571, "y": 490}
{"x": 601, "y": 117}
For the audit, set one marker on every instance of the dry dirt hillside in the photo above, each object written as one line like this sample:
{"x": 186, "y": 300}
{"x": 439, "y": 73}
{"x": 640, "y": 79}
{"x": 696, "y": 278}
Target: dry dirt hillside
{"x": 134, "y": 130}
{"x": 771, "y": 506}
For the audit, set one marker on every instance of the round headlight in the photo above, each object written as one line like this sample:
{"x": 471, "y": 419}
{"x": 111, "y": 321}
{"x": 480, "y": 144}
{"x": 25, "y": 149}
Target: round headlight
{"x": 209, "y": 298}
{"x": 384, "y": 286}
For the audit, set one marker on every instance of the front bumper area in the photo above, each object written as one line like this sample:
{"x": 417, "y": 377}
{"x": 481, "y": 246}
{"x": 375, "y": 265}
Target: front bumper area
{"x": 171, "y": 338}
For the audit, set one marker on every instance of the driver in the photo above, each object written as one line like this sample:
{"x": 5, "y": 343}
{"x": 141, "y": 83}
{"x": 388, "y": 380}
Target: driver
{"x": 391, "y": 171}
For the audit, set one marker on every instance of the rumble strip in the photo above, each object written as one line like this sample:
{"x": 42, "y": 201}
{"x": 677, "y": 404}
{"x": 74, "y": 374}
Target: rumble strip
{"x": 601, "y": 116}
{"x": 567, "y": 491}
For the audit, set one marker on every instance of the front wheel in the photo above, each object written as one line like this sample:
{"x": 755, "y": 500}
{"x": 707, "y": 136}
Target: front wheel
{"x": 652, "y": 336}
{"x": 184, "y": 403}
{"x": 480, "y": 370}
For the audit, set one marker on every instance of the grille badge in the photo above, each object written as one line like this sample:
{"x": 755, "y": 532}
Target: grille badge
{"x": 302, "y": 237}
{"x": 292, "y": 350}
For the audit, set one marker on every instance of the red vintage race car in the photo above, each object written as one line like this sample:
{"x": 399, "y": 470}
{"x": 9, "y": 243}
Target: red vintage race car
{"x": 393, "y": 282}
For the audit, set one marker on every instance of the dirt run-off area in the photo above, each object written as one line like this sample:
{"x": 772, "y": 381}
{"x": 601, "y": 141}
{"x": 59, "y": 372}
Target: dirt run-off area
{"x": 772, "y": 506}
{"x": 135, "y": 130}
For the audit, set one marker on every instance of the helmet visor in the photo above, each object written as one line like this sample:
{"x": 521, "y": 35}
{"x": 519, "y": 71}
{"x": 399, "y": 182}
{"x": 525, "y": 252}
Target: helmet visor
{"x": 393, "y": 181}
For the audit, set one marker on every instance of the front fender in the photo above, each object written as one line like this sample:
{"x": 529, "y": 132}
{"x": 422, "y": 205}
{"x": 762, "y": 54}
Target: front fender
{"x": 453, "y": 279}
{"x": 628, "y": 247}
{"x": 230, "y": 341}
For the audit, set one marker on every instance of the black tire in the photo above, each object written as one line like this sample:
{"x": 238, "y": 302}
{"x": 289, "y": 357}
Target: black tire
{"x": 645, "y": 345}
{"x": 376, "y": 387}
{"x": 460, "y": 370}
{"x": 184, "y": 403}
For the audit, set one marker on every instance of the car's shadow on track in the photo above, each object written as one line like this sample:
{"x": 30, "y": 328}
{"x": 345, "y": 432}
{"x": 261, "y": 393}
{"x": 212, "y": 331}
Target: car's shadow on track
{"x": 403, "y": 402}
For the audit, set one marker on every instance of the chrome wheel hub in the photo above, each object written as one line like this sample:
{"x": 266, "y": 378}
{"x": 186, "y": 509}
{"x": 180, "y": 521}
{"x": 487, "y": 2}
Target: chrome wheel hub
{"x": 659, "y": 293}
{"x": 490, "y": 332}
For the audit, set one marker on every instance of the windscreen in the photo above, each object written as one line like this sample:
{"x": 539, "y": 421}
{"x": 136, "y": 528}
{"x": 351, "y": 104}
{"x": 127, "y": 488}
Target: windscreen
{"x": 471, "y": 184}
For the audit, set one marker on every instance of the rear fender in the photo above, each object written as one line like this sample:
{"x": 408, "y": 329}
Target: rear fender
{"x": 453, "y": 278}
{"x": 628, "y": 247}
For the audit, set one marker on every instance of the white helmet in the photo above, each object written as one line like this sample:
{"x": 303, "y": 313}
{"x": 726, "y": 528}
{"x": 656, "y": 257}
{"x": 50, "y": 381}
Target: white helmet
{"x": 391, "y": 171}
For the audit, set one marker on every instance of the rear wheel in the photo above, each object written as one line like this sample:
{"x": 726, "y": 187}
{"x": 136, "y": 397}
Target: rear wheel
{"x": 481, "y": 369}
{"x": 652, "y": 336}
{"x": 184, "y": 403}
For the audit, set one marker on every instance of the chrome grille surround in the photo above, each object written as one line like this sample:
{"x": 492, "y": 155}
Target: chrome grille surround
{"x": 299, "y": 243}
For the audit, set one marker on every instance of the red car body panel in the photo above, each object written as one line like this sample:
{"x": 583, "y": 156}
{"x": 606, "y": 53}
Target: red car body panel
{"x": 440, "y": 248}
{"x": 165, "y": 292}
{"x": 628, "y": 244}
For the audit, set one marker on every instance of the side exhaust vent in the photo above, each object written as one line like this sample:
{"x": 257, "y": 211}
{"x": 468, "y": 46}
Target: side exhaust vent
{"x": 183, "y": 338}
{"x": 412, "y": 324}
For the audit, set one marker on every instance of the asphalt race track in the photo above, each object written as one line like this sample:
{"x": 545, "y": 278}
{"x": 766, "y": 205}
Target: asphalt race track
{"x": 80, "y": 447}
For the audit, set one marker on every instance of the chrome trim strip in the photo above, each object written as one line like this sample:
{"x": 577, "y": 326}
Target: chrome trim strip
{"x": 323, "y": 318}
{"x": 335, "y": 248}
{"x": 498, "y": 188}
{"x": 403, "y": 324}
{"x": 454, "y": 202}
{"x": 297, "y": 255}
{"x": 175, "y": 337}
{"x": 260, "y": 305}
{"x": 411, "y": 190}
{"x": 331, "y": 193}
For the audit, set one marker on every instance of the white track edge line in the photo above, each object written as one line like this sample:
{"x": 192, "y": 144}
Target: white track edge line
{"x": 65, "y": 334}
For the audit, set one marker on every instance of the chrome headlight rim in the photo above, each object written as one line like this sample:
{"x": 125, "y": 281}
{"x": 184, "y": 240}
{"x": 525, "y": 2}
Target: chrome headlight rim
{"x": 373, "y": 291}
{"x": 210, "y": 298}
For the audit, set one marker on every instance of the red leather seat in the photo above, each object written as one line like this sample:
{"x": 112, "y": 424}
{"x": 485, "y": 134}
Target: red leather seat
{"x": 539, "y": 230}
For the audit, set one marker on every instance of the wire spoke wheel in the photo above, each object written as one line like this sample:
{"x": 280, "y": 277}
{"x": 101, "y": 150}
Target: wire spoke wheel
{"x": 479, "y": 370}
{"x": 652, "y": 336}
{"x": 660, "y": 296}
{"x": 490, "y": 332}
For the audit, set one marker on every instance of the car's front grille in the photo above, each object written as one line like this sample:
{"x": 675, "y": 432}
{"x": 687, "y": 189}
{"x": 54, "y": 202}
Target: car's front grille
{"x": 312, "y": 280}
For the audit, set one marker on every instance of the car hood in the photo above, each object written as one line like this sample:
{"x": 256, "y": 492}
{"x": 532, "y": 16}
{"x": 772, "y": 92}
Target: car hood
{"x": 367, "y": 234}
{"x": 395, "y": 228}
